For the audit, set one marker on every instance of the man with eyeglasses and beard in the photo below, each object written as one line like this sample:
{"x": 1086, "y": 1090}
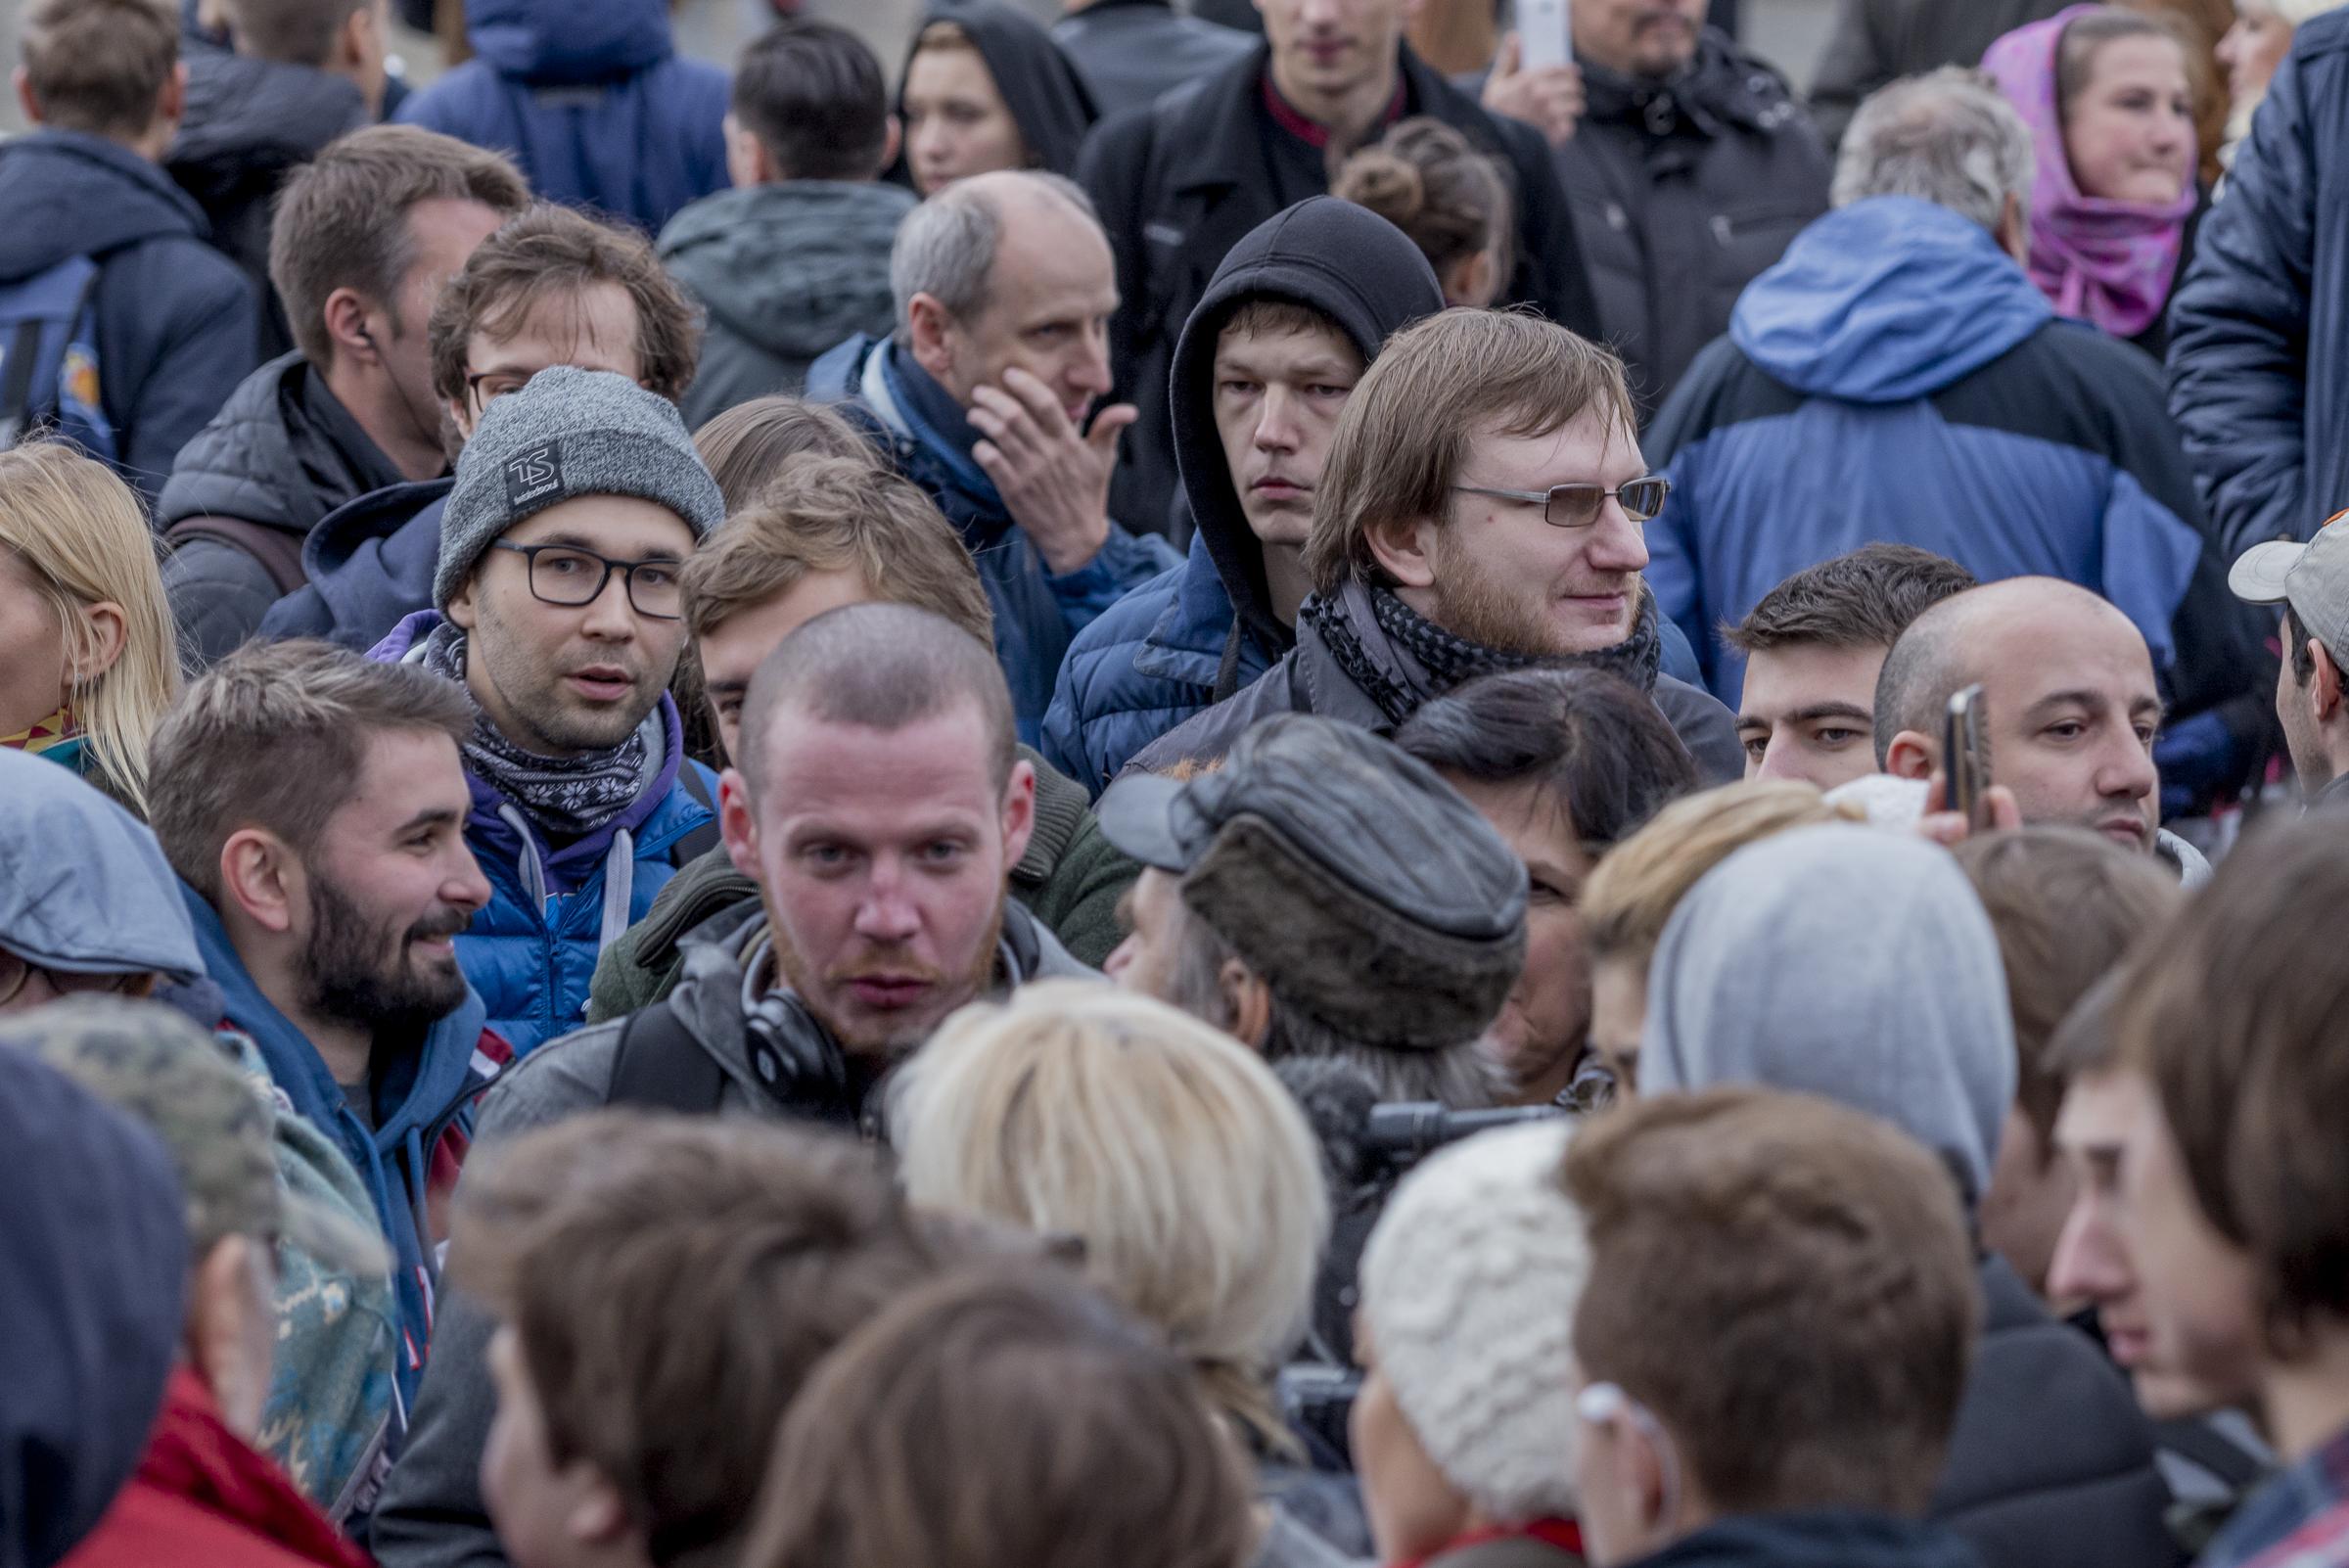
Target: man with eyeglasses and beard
{"x": 558, "y": 613}
{"x": 313, "y": 807}
{"x": 1481, "y": 510}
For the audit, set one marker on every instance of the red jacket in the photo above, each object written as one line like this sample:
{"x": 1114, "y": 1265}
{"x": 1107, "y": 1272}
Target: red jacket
{"x": 203, "y": 1497}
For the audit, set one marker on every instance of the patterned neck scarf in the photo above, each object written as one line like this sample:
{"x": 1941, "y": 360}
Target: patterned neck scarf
{"x": 1450, "y": 660}
{"x": 58, "y": 729}
{"x": 566, "y": 796}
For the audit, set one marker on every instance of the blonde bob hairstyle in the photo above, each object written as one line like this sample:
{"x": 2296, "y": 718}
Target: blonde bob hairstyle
{"x": 80, "y": 538}
{"x": 1166, "y": 1147}
{"x": 1628, "y": 901}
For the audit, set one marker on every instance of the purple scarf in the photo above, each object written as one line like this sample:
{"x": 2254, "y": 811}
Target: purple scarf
{"x": 2098, "y": 261}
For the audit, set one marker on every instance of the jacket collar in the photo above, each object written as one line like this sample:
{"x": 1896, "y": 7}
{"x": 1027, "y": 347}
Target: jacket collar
{"x": 1215, "y": 123}
{"x": 195, "y": 1458}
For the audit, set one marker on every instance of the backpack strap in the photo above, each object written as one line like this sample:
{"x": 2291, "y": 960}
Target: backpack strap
{"x": 278, "y": 551}
{"x": 693, "y": 845}
{"x": 18, "y": 361}
{"x": 661, "y": 1067}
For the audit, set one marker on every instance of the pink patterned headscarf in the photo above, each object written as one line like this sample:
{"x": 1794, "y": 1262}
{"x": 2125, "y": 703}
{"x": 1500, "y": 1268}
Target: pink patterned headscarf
{"x": 2098, "y": 261}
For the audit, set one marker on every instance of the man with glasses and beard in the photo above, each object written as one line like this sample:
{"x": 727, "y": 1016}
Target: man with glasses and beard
{"x": 314, "y": 806}
{"x": 558, "y": 613}
{"x": 1481, "y": 510}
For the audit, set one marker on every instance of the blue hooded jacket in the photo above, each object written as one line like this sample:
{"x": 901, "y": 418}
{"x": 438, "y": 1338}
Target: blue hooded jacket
{"x": 911, "y": 418}
{"x": 1898, "y": 377}
{"x": 591, "y": 101}
{"x": 531, "y": 950}
{"x": 370, "y": 564}
{"x": 422, "y": 1098}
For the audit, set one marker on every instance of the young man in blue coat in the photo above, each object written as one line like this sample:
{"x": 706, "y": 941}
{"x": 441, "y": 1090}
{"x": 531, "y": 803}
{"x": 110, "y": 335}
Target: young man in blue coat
{"x": 1291, "y": 318}
{"x": 176, "y": 325}
{"x": 557, "y": 611}
{"x": 313, "y": 807}
{"x": 1004, "y": 289}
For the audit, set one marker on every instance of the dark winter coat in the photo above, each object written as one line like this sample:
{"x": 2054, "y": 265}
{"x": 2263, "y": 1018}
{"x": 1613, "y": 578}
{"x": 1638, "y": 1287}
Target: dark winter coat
{"x": 1878, "y": 42}
{"x": 1175, "y": 644}
{"x": 591, "y": 101}
{"x": 1683, "y": 192}
{"x": 249, "y": 124}
{"x": 2253, "y": 382}
{"x": 178, "y": 325}
{"x": 1131, "y": 52}
{"x": 1179, "y": 183}
{"x": 1310, "y": 680}
{"x": 370, "y": 565}
{"x": 785, "y": 272}
{"x": 2050, "y": 1460}
{"x": 1814, "y": 1540}
{"x": 919, "y": 427}
{"x": 1898, "y": 377}
{"x": 282, "y": 454}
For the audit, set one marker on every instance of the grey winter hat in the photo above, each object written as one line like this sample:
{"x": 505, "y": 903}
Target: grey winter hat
{"x": 2312, "y": 578}
{"x": 1363, "y": 889}
{"x": 84, "y": 888}
{"x": 568, "y": 432}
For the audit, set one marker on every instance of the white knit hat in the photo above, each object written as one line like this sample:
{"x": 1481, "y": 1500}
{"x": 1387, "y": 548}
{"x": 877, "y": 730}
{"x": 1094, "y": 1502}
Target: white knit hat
{"x": 1469, "y": 1287}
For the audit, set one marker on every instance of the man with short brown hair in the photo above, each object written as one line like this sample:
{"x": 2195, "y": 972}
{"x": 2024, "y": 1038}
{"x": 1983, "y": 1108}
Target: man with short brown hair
{"x": 366, "y": 235}
{"x": 1775, "y": 1335}
{"x": 1480, "y": 510}
{"x": 634, "y": 1418}
{"x": 550, "y": 287}
{"x": 2234, "y": 1013}
{"x": 145, "y": 329}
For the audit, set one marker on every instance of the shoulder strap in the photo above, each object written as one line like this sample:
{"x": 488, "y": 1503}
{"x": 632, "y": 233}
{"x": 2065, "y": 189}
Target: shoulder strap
{"x": 700, "y": 840}
{"x": 278, "y": 551}
{"x": 661, "y": 1067}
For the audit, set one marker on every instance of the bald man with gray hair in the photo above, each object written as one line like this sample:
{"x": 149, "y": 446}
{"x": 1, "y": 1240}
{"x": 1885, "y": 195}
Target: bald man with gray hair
{"x": 984, "y": 396}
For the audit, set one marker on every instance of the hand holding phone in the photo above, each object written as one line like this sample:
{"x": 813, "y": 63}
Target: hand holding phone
{"x": 1546, "y": 33}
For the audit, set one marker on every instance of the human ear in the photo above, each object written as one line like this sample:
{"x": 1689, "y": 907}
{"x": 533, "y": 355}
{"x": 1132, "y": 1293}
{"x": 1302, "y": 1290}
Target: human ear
{"x": 1909, "y": 756}
{"x": 2325, "y": 692}
{"x": 1247, "y": 1002}
{"x": 260, "y": 876}
{"x": 1019, "y": 813}
{"x": 738, "y": 824}
{"x": 929, "y": 327}
{"x": 1405, "y": 550}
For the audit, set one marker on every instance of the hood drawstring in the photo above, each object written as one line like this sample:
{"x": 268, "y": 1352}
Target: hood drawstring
{"x": 1227, "y": 669}
{"x": 619, "y": 886}
{"x": 528, "y": 865}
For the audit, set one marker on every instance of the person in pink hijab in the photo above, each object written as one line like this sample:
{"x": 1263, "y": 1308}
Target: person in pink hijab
{"x": 2109, "y": 100}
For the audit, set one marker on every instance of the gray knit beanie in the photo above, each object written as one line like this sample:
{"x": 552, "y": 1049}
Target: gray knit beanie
{"x": 568, "y": 432}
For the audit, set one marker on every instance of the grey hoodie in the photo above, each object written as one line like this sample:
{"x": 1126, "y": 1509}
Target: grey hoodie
{"x": 432, "y": 1514}
{"x": 785, "y": 272}
{"x": 1847, "y": 962}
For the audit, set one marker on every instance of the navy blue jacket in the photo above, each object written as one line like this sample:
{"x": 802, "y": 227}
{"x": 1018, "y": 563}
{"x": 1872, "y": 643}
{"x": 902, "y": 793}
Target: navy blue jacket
{"x": 370, "y": 564}
{"x": 1898, "y": 377}
{"x": 911, "y": 419}
{"x": 591, "y": 101}
{"x": 178, "y": 325}
{"x": 2254, "y": 382}
{"x": 1821, "y": 1538}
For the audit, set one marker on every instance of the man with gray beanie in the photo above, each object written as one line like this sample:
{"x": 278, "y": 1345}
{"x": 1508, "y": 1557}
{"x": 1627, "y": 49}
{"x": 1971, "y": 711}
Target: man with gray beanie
{"x": 556, "y": 607}
{"x": 1858, "y": 965}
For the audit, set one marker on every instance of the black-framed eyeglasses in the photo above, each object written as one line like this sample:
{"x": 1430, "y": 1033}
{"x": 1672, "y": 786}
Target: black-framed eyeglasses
{"x": 567, "y": 575}
{"x": 1577, "y": 506}
{"x": 15, "y": 971}
{"x": 487, "y": 386}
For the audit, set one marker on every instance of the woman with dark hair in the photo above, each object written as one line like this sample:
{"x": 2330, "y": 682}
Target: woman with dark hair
{"x": 1564, "y": 764}
{"x": 984, "y": 89}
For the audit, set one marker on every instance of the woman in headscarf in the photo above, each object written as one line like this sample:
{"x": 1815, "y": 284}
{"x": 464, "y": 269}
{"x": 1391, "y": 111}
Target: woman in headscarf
{"x": 985, "y": 89}
{"x": 2109, "y": 98}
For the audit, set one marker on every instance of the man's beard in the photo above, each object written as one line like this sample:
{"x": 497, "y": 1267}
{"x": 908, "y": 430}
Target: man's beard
{"x": 346, "y": 976}
{"x": 1470, "y": 605}
{"x": 890, "y": 1039}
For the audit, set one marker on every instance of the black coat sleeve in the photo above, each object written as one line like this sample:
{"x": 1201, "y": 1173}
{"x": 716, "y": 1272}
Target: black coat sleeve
{"x": 1549, "y": 272}
{"x": 1111, "y": 169}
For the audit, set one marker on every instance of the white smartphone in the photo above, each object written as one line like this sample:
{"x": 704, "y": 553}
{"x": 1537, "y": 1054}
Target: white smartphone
{"x": 1544, "y": 34}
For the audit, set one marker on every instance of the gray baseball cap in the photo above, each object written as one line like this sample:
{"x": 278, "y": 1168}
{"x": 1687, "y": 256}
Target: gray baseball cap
{"x": 2312, "y": 578}
{"x": 1363, "y": 889}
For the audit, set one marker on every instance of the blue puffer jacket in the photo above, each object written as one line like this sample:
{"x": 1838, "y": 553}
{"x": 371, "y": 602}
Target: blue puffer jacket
{"x": 591, "y": 100}
{"x": 532, "y": 950}
{"x": 911, "y": 418}
{"x": 2254, "y": 378}
{"x": 1897, "y": 377}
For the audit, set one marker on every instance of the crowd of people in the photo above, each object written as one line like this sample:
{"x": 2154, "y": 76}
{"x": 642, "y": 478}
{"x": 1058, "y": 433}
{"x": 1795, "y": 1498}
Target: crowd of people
{"x": 1173, "y": 793}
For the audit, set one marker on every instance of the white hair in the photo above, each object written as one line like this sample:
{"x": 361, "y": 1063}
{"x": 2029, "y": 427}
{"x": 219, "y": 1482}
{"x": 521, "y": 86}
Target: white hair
{"x": 945, "y": 248}
{"x": 1948, "y": 137}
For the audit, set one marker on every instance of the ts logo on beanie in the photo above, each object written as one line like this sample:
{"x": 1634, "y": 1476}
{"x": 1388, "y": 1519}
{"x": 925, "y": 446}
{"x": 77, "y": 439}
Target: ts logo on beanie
{"x": 534, "y": 473}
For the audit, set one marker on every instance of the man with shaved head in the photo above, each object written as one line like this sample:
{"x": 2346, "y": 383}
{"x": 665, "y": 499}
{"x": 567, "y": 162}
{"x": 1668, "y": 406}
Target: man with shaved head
{"x": 878, "y": 802}
{"x": 2070, "y": 708}
{"x": 1004, "y": 287}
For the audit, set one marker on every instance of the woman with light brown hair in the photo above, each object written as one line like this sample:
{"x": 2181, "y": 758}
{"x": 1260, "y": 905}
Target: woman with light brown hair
{"x": 88, "y": 656}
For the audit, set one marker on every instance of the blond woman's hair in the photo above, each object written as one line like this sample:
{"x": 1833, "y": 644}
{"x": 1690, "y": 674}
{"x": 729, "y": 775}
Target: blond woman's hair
{"x": 1628, "y": 901}
{"x": 1169, "y": 1148}
{"x": 82, "y": 539}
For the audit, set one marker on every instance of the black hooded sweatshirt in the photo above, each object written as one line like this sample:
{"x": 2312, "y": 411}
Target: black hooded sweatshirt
{"x": 1043, "y": 92}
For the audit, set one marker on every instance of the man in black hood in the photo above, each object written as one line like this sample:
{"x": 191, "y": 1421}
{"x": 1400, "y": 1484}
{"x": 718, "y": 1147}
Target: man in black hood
{"x": 1179, "y": 183}
{"x": 1287, "y": 326}
{"x": 1480, "y": 510}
